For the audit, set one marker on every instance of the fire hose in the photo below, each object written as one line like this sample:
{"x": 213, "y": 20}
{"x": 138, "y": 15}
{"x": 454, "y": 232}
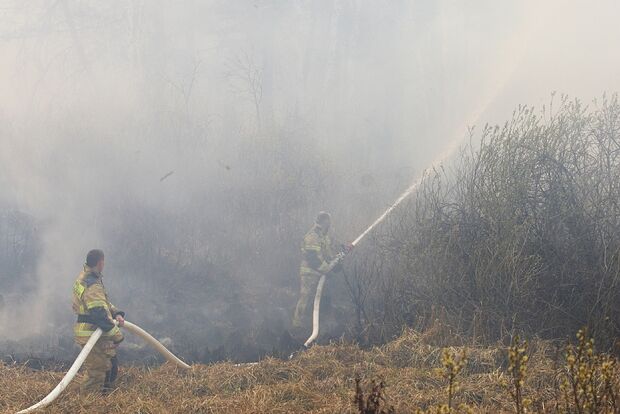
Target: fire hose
{"x": 135, "y": 329}
{"x": 505, "y": 67}
{"x": 319, "y": 288}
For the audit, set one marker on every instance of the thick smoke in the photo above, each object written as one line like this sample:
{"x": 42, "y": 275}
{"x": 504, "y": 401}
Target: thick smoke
{"x": 194, "y": 142}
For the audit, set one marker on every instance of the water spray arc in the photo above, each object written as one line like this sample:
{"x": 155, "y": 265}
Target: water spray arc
{"x": 503, "y": 71}
{"x": 77, "y": 364}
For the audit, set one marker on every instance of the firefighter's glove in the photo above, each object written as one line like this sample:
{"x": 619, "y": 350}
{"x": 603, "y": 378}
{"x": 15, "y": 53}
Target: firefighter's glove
{"x": 335, "y": 265}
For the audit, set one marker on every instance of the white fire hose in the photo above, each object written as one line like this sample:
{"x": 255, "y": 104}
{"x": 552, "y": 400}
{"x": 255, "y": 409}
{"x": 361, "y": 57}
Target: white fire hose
{"x": 317, "y": 301}
{"x": 170, "y": 357}
{"x": 319, "y": 287}
{"x": 315, "y": 312}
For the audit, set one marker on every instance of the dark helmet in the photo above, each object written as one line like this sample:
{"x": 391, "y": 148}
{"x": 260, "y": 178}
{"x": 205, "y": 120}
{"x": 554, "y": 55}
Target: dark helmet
{"x": 323, "y": 218}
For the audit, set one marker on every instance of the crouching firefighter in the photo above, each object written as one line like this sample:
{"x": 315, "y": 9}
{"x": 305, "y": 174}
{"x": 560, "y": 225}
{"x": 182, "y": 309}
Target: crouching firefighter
{"x": 94, "y": 310}
{"x": 317, "y": 259}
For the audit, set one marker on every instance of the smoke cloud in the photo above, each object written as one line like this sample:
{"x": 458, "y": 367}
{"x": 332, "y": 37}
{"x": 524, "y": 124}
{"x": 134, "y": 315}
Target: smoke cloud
{"x": 194, "y": 142}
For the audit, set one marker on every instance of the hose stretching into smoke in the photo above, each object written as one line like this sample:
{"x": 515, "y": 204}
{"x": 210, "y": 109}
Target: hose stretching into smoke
{"x": 86, "y": 350}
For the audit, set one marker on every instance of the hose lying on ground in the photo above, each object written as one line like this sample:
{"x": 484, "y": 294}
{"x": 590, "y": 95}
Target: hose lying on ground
{"x": 86, "y": 350}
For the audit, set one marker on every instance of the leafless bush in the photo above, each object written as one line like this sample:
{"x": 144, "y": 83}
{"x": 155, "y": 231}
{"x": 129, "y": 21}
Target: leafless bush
{"x": 523, "y": 231}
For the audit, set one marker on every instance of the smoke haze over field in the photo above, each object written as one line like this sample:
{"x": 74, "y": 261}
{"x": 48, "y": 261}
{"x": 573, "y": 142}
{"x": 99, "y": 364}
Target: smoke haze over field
{"x": 194, "y": 142}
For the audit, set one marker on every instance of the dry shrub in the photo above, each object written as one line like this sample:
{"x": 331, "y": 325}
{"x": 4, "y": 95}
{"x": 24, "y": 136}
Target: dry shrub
{"x": 371, "y": 400}
{"x": 522, "y": 232}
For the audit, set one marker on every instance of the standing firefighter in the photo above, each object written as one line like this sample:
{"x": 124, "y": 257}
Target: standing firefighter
{"x": 317, "y": 255}
{"x": 93, "y": 309}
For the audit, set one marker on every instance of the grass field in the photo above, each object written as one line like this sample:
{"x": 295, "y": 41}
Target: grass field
{"x": 414, "y": 369}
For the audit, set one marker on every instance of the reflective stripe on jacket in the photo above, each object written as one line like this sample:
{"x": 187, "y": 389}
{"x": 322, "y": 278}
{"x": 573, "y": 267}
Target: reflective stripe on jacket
{"x": 90, "y": 303}
{"x": 316, "y": 252}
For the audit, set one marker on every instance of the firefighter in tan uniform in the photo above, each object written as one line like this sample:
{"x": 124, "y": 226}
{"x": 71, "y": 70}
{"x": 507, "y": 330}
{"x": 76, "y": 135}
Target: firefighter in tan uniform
{"x": 94, "y": 310}
{"x": 317, "y": 255}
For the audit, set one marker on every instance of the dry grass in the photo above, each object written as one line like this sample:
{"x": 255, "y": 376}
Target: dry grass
{"x": 321, "y": 380}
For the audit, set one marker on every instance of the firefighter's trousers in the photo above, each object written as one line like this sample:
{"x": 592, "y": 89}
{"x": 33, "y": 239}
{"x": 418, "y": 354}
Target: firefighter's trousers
{"x": 303, "y": 310}
{"x": 100, "y": 368}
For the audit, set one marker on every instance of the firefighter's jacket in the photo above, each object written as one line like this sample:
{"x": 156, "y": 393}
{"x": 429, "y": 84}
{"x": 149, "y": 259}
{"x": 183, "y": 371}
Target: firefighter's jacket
{"x": 93, "y": 309}
{"x": 316, "y": 251}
